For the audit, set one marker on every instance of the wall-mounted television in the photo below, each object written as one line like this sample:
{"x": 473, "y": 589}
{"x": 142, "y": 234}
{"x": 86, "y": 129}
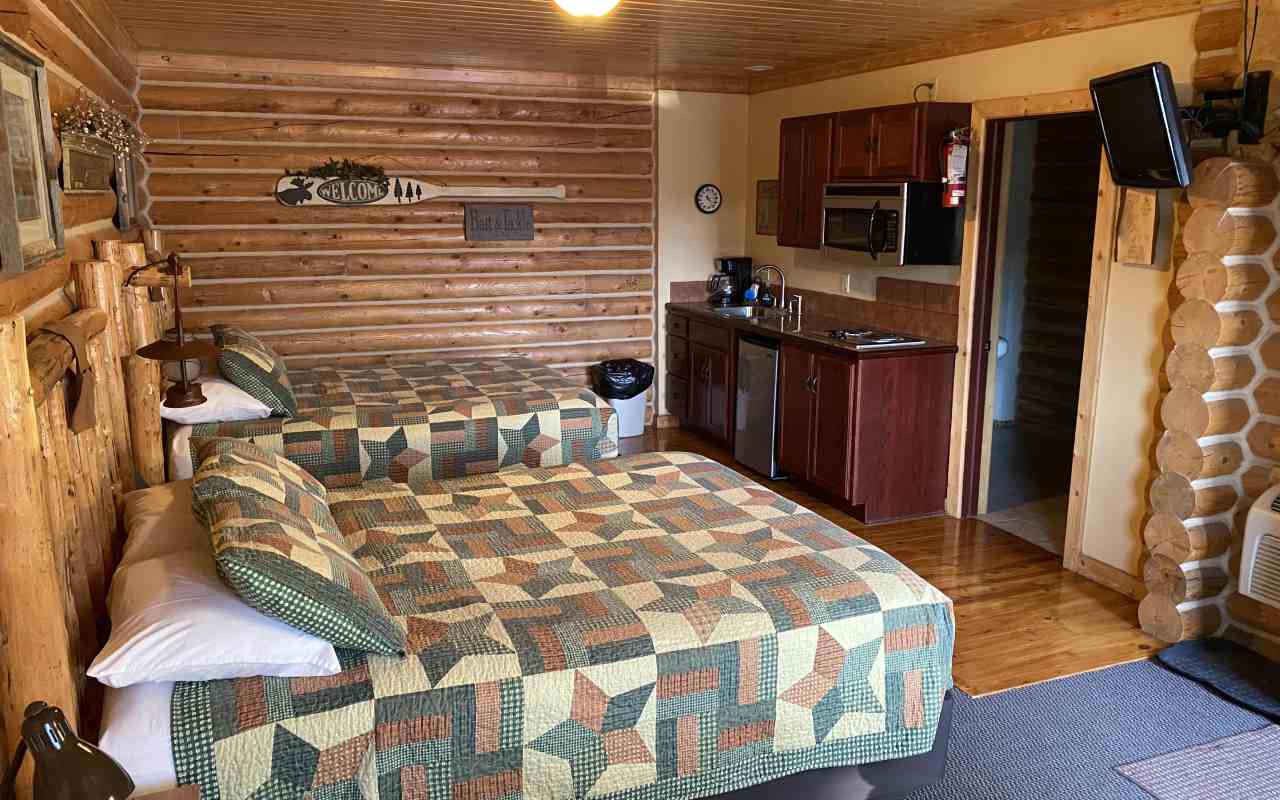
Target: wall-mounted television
{"x": 1141, "y": 127}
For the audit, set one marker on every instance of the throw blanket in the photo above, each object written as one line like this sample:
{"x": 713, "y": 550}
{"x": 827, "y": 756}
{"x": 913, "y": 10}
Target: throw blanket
{"x": 418, "y": 422}
{"x": 656, "y": 626}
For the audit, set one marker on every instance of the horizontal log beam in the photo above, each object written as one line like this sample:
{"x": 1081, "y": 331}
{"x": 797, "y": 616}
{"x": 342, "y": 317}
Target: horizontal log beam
{"x": 1219, "y": 29}
{"x": 81, "y": 208}
{"x": 549, "y": 354}
{"x": 1186, "y": 411}
{"x": 390, "y": 105}
{"x": 196, "y": 128}
{"x": 1212, "y": 229}
{"x": 185, "y": 241}
{"x": 1204, "y": 277}
{"x": 361, "y": 315}
{"x": 1164, "y": 576}
{"x": 418, "y": 264}
{"x": 331, "y": 290}
{"x": 223, "y": 158}
{"x": 21, "y": 290}
{"x": 1161, "y": 618}
{"x": 1169, "y": 536}
{"x": 216, "y": 185}
{"x": 1174, "y": 495}
{"x": 49, "y": 355}
{"x": 1232, "y": 183}
{"x": 269, "y": 212}
{"x": 405, "y": 338}
{"x": 1180, "y": 452}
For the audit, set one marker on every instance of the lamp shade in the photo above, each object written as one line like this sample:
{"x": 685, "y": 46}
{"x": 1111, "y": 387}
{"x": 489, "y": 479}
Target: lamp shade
{"x": 66, "y": 767}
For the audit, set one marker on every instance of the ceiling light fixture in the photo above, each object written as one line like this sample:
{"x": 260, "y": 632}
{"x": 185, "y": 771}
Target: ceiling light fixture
{"x": 759, "y": 68}
{"x": 587, "y": 8}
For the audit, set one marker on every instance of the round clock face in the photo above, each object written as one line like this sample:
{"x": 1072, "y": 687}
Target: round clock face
{"x": 708, "y": 198}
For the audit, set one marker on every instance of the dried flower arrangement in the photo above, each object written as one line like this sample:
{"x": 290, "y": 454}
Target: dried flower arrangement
{"x": 90, "y": 117}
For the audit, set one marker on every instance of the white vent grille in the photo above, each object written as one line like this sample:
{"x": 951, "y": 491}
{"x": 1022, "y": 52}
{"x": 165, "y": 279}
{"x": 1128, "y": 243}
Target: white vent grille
{"x": 1265, "y": 580}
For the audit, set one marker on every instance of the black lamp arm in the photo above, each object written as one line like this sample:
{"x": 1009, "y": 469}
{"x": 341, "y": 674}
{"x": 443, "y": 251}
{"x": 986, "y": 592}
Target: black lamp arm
{"x": 171, "y": 260}
{"x": 11, "y": 773}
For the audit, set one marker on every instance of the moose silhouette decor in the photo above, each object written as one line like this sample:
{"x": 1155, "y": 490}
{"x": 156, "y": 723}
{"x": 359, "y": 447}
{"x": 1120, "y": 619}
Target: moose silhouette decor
{"x": 311, "y": 189}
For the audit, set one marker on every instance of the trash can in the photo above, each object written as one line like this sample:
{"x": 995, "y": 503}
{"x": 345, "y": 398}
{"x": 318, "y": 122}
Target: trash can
{"x": 623, "y": 383}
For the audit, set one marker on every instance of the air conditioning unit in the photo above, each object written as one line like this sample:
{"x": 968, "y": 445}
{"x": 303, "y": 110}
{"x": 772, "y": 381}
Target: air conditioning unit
{"x": 1260, "y": 562}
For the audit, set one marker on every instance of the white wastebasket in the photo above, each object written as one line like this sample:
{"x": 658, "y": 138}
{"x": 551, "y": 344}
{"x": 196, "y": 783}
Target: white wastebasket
{"x": 630, "y": 415}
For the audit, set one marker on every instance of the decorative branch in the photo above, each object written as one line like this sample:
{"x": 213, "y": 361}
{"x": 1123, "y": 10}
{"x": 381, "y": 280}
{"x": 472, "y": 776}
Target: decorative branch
{"x": 90, "y": 117}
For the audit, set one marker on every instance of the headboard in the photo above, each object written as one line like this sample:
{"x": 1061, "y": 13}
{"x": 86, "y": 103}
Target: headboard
{"x": 62, "y": 492}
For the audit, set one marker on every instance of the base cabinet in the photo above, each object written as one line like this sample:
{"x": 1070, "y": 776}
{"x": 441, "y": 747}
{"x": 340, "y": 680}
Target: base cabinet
{"x": 816, "y": 405}
{"x": 699, "y": 377}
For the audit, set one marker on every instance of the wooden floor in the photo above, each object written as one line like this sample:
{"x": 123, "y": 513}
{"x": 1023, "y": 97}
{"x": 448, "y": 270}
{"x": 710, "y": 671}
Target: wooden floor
{"x": 1021, "y": 618}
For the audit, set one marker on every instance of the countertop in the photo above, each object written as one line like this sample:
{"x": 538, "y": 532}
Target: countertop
{"x": 809, "y": 328}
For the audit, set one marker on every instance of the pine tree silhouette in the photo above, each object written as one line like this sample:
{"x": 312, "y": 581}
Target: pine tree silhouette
{"x": 399, "y": 190}
{"x": 418, "y": 188}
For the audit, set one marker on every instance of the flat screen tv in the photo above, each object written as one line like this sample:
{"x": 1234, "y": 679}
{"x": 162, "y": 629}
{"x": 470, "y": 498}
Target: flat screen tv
{"x": 1141, "y": 127}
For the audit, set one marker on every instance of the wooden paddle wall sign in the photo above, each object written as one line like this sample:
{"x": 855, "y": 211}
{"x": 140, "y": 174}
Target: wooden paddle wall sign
{"x": 302, "y": 190}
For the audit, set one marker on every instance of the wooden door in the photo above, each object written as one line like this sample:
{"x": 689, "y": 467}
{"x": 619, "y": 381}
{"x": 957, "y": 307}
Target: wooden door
{"x": 817, "y": 171}
{"x": 795, "y": 410}
{"x": 833, "y": 419}
{"x": 897, "y": 131}
{"x": 851, "y": 146}
{"x": 791, "y": 181}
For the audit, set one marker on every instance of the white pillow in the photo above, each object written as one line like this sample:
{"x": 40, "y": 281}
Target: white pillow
{"x": 160, "y": 521}
{"x": 173, "y": 619}
{"x": 224, "y": 402}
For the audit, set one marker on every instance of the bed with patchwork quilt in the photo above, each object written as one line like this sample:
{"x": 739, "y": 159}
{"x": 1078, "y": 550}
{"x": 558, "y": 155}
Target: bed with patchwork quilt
{"x": 653, "y": 626}
{"x": 414, "y": 422}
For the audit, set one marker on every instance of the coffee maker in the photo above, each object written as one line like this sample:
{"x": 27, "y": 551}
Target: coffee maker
{"x": 727, "y": 284}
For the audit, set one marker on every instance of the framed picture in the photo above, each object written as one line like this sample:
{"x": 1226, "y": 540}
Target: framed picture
{"x": 88, "y": 164}
{"x": 126, "y": 185}
{"x": 767, "y": 208}
{"x": 30, "y": 210}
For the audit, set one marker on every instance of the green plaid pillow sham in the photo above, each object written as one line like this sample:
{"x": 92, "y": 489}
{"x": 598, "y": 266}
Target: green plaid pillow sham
{"x": 278, "y": 547}
{"x": 253, "y": 366}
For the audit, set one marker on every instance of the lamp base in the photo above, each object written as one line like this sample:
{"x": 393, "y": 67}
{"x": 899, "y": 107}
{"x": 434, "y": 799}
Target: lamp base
{"x": 184, "y": 395}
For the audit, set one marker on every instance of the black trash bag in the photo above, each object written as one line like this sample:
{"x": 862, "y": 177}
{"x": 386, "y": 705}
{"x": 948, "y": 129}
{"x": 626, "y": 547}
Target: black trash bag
{"x": 621, "y": 379}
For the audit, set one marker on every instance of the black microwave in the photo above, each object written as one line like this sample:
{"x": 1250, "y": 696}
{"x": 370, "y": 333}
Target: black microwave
{"x": 892, "y": 224}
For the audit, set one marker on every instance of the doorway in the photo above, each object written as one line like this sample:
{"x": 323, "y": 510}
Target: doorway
{"x": 1037, "y": 273}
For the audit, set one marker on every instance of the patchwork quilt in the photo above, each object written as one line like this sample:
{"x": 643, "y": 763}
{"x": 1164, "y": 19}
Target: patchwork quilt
{"x": 655, "y": 626}
{"x": 418, "y": 422}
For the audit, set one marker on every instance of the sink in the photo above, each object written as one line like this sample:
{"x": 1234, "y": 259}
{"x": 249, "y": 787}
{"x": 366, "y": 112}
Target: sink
{"x": 748, "y": 312}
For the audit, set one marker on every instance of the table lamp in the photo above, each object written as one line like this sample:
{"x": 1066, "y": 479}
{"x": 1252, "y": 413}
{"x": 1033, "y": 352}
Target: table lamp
{"x": 66, "y": 767}
{"x": 186, "y": 391}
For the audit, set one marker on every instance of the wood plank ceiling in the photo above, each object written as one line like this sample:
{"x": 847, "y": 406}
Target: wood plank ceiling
{"x": 708, "y": 44}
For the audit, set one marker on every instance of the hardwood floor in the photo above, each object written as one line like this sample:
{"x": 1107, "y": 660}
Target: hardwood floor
{"x": 1020, "y": 617}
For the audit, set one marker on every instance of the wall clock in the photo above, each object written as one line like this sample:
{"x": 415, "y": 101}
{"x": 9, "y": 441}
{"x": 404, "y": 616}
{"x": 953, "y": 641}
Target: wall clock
{"x": 708, "y": 198}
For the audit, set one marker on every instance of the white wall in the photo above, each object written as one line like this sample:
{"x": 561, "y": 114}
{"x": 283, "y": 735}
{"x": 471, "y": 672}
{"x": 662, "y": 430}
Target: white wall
{"x": 701, "y": 139}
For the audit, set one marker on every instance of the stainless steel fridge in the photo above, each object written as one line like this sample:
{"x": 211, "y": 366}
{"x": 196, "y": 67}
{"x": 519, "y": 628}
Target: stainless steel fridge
{"x": 756, "y": 426}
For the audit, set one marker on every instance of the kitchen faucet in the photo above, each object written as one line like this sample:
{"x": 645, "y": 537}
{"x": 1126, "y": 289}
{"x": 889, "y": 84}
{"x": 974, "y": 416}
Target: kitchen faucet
{"x": 782, "y": 278}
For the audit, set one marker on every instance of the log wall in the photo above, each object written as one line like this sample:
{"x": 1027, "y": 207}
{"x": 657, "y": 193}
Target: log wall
{"x": 326, "y": 285}
{"x": 81, "y": 50}
{"x": 1221, "y": 408}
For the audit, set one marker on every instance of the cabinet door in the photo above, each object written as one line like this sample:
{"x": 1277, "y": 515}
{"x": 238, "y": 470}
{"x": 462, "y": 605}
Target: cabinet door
{"x": 833, "y": 421}
{"x": 851, "y": 147}
{"x": 817, "y": 171}
{"x": 715, "y": 389}
{"x": 897, "y": 140}
{"x": 791, "y": 181}
{"x": 795, "y": 410}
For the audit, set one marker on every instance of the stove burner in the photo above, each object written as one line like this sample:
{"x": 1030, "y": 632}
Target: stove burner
{"x": 869, "y": 338}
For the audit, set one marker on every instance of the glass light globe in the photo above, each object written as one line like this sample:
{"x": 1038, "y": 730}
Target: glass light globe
{"x": 587, "y": 8}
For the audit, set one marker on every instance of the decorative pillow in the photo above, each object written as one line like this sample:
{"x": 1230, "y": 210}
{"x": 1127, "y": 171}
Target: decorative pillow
{"x": 254, "y": 367}
{"x": 278, "y": 547}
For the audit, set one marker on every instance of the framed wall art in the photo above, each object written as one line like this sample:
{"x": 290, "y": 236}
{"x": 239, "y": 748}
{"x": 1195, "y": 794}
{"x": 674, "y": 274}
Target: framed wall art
{"x": 30, "y": 209}
{"x": 88, "y": 163}
{"x": 767, "y": 208}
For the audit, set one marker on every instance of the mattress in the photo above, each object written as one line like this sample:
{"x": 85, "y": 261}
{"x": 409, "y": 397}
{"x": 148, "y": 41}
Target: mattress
{"x": 655, "y": 626}
{"x": 424, "y": 421}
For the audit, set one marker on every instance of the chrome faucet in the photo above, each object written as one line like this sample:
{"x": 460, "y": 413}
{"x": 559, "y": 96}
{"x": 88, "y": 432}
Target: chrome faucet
{"x": 782, "y": 278}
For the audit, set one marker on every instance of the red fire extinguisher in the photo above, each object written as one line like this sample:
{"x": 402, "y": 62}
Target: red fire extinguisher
{"x": 955, "y": 167}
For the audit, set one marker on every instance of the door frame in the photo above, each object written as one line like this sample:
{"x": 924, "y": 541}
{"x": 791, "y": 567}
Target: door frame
{"x": 981, "y": 222}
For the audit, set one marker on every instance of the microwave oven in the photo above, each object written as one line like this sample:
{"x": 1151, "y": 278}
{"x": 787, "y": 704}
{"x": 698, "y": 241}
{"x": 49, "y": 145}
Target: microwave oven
{"x": 892, "y": 224}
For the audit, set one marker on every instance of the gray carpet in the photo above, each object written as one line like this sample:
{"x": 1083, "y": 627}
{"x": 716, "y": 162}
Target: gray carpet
{"x": 1241, "y": 767}
{"x": 1065, "y": 738}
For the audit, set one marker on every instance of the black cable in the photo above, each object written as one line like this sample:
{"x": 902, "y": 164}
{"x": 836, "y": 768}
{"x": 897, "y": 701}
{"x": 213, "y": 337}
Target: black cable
{"x": 11, "y": 773}
{"x": 915, "y": 93}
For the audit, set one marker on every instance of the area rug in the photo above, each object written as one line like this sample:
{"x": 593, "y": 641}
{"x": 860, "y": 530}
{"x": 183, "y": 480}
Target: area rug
{"x": 1241, "y": 767}
{"x": 1065, "y": 738}
{"x": 1234, "y": 671}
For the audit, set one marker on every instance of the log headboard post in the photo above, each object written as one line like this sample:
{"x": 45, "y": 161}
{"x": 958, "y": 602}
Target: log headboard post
{"x": 39, "y": 652}
{"x": 98, "y": 284}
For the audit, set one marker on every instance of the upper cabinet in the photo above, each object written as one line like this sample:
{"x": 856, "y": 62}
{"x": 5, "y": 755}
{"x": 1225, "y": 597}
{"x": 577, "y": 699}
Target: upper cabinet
{"x": 898, "y": 143}
{"x": 894, "y": 143}
{"x": 804, "y": 166}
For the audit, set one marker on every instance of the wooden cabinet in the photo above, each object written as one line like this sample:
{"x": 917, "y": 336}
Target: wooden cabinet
{"x": 700, "y": 376}
{"x": 816, "y": 407}
{"x": 804, "y": 167}
{"x": 896, "y": 143}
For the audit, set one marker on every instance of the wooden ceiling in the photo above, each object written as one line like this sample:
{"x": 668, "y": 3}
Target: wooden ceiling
{"x": 705, "y": 44}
